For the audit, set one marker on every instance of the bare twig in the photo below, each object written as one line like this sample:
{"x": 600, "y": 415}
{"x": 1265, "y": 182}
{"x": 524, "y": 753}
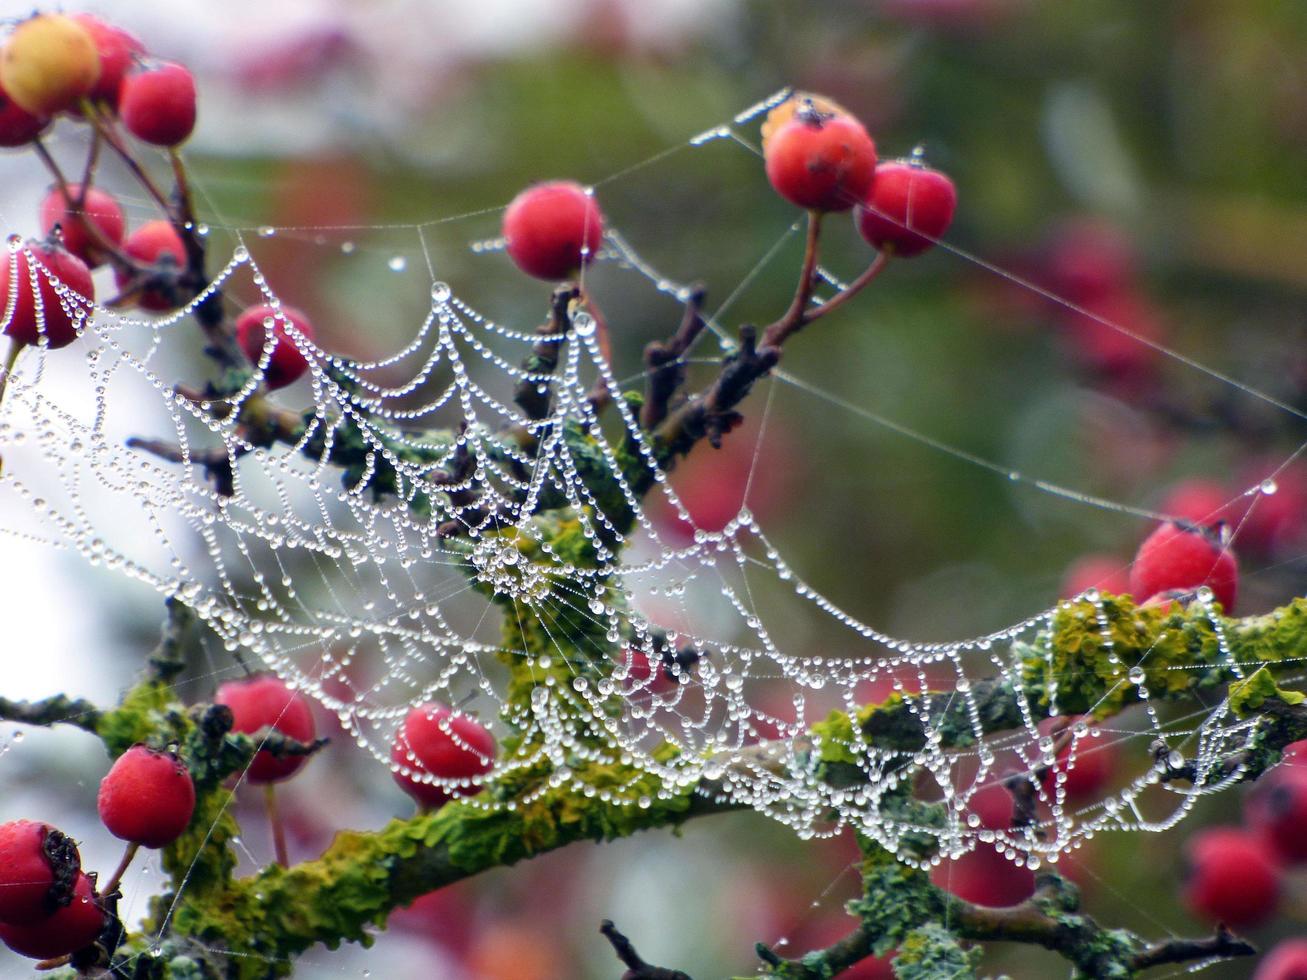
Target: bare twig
{"x": 1224, "y": 945}
{"x": 664, "y": 364}
{"x": 216, "y": 462}
{"x": 56, "y": 710}
{"x": 637, "y": 968}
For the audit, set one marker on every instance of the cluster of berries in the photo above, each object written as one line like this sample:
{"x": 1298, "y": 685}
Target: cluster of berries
{"x": 49, "y": 906}
{"x": 817, "y": 155}
{"x": 89, "y": 70}
{"x": 1236, "y": 874}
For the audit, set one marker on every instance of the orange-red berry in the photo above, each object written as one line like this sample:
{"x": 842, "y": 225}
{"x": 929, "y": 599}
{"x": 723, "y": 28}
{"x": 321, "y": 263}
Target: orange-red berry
{"x": 38, "y": 869}
{"x": 147, "y": 797}
{"x": 821, "y": 161}
{"x": 435, "y": 740}
{"x": 286, "y": 363}
{"x": 73, "y": 927}
{"x": 909, "y": 208}
{"x": 99, "y": 208}
{"x": 154, "y": 243}
{"x": 1287, "y": 961}
{"x": 552, "y": 229}
{"x": 157, "y": 103}
{"x": 43, "y": 312}
{"x": 265, "y": 702}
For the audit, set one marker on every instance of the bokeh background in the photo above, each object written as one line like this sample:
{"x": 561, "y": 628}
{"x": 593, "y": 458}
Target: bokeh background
{"x": 1146, "y": 162}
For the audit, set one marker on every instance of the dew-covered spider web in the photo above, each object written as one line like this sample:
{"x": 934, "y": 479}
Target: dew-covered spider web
{"x": 368, "y": 545}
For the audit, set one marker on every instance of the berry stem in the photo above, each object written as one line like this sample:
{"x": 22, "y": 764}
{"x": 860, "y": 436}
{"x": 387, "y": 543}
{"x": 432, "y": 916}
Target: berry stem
{"x": 105, "y": 131}
{"x": 274, "y": 819}
{"x": 74, "y": 203}
{"x": 599, "y": 395}
{"x": 852, "y": 289}
{"x": 794, "y": 317}
{"x": 116, "y": 878}
{"x": 92, "y": 160}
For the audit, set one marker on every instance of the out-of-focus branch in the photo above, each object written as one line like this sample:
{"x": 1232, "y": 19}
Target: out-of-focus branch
{"x": 637, "y": 968}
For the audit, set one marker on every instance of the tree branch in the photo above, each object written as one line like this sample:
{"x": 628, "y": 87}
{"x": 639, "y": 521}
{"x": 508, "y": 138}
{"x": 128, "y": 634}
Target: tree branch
{"x": 637, "y": 969}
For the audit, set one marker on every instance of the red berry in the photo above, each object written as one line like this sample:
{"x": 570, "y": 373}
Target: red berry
{"x": 640, "y": 675}
{"x": 1184, "y": 556}
{"x": 1088, "y": 768}
{"x": 99, "y": 207}
{"x": 1275, "y": 521}
{"x": 265, "y": 702}
{"x": 553, "y": 229}
{"x": 1232, "y": 879}
{"x": 157, "y": 103}
{"x": 821, "y": 161}
{"x": 1277, "y": 809}
{"x": 909, "y": 209}
{"x": 58, "y": 316}
{"x": 443, "y": 743}
{"x": 1121, "y": 355}
{"x": 38, "y": 868}
{"x": 18, "y": 126}
{"x": 1089, "y": 259}
{"x": 118, "y": 50}
{"x": 1102, "y": 572}
{"x": 1287, "y": 961}
{"x": 147, "y": 797}
{"x": 1295, "y": 753}
{"x": 287, "y": 362}
{"x": 154, "y": 243}
{"x": 985, "y": 877}
{"x": 73, "y": 927}
{"x": 1201, "y": 502}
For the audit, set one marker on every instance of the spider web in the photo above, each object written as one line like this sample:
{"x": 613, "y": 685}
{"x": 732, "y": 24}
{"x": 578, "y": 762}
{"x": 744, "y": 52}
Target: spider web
{"x": 374, "y": 603}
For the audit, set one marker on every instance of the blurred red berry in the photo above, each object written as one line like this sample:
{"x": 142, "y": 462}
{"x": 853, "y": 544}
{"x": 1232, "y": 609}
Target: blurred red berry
{"x": 38, "y": 868}
{"x": 56, "y": 320}
{"x": 99, "y": 207}
{"x": 1277, "y": 809}
{"x": 821, "y": 161}
{"x": 73, "y": 927}
{"x": 18, "y": 127}
{"x": 1088, "y": 259}
{"x": 157, "y": 103}
{"x": 1112, "y": 338}
{"x": 117, "y": 49}
{"x": 438, "y": 741}
{"x": 985, "y": 877}
{"x": 147, "y": 798}
{"x": 1088, "y": 764}
{"x": 261, "y": 702}
{"x": 1105, "y": 573}
{"x": 552, "y": 229}
{"x": 1275, "y": 521}
{"x": 286, "y": 363}
{"x": 1287, "y": 961}
{"x": 909, "y": 208}
{"x": 1295, "y": 753}
{"x": 1231, "y": 879}
{"x": 154, "y": 243}
{"x": 1184, "y": 556}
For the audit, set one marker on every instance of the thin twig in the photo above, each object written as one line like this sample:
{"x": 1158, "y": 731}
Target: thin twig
{"x": 637, "y": 968}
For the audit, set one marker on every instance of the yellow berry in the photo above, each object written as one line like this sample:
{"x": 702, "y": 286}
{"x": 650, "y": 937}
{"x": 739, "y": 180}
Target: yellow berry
{"x": 48, "y": 64}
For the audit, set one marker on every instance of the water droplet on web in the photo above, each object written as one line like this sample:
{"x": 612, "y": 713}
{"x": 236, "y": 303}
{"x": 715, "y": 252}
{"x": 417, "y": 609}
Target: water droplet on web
{"x": 584, "y": 324}
{"x": 440, "y": 292}
{"x": 267, "y": 231}
{"x": 1136, "y": 675}
{"x": 348, "y": 248}
{"x": 397, "y": 263}
{"x": 1268, "y": 486}
{"x": 241, "y": 254}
